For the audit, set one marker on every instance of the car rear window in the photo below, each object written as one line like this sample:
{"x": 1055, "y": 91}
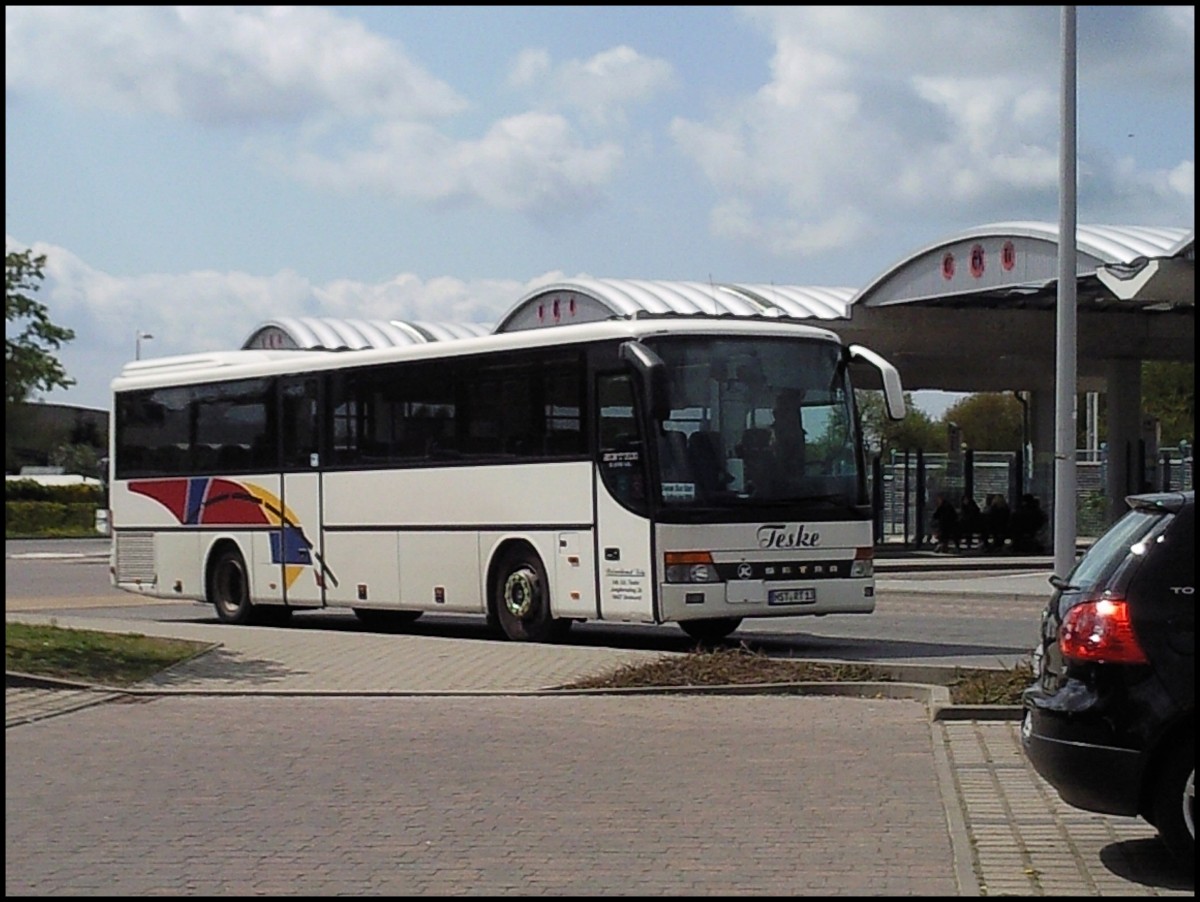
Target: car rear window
{"x": 1126, "y": 536}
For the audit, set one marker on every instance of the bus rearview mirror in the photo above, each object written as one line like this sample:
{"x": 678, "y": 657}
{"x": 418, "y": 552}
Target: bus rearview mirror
{"x": 653, "y": 372}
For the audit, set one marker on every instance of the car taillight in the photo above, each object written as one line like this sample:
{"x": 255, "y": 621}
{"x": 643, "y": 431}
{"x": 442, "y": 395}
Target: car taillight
{"x": 1101, "y": 632}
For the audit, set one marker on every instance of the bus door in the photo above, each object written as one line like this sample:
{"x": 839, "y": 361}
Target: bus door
{"x": 624, "y": 553}
{"x": 298, "y": 545}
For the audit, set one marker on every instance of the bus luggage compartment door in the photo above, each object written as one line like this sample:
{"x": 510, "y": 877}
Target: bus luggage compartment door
{"x": 298, "y": 543}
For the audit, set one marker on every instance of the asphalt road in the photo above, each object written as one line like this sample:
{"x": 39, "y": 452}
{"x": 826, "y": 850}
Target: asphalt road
{"x": 949, "y": 616}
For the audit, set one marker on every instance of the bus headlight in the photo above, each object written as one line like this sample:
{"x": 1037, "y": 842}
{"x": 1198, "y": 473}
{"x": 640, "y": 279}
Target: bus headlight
{"x": 690, "y": 567}
{"x": 864, "y": 563}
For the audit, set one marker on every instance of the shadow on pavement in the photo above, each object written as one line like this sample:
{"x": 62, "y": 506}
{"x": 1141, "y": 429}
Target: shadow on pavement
{"x": 1147, "y": 861}
{"x": 230, "y": 669}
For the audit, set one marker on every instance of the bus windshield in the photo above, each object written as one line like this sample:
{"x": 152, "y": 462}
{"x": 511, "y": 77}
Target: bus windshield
{"x": 758, "y": 421}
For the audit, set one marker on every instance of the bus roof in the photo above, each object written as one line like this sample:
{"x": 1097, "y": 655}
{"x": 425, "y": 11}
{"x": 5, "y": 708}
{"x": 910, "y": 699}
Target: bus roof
{"x": 222, "y": 365}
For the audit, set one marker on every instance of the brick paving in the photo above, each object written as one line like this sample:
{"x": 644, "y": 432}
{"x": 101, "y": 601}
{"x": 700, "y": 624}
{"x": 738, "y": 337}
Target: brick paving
{"x": 501, "y": 795}
{"x": 1028, "y": 842}
{"x": 295, "y": 761}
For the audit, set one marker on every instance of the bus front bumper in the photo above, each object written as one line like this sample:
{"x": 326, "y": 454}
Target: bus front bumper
{"x": 757, "y": 598}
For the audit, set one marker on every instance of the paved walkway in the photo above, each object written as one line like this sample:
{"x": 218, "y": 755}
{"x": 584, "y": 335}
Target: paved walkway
{"x": 997, "y": 829}
{"x": 296, "y": 761}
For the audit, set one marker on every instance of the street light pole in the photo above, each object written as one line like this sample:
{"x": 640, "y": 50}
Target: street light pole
{"x": 1065, "y": 478}
{"x": 137, "y": 347}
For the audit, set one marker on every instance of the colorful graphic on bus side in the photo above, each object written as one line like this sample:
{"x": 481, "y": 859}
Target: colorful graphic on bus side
{"x": 210, "y": 501}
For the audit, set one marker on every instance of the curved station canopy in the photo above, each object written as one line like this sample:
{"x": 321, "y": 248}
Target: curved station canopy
{"x": 311, "y": 333}
{"x": 977, "y": 312}
{"x": 974, "y": 312}
{"x": 1020, "y": 260}
{"x": 586, "y": 300}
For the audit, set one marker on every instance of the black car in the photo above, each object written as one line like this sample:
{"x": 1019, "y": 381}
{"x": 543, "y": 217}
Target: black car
{"x": 1110, "y": 720}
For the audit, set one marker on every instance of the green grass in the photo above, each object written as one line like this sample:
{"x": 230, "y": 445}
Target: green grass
{"x": 122, "y": 659}
{"x": 109, "y": 659}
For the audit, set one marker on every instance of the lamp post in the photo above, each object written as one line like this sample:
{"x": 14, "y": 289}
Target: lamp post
{"x": 139, "y": 335}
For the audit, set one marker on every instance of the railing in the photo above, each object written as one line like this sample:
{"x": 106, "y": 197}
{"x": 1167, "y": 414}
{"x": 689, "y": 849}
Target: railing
{"x": 910, "y": 483}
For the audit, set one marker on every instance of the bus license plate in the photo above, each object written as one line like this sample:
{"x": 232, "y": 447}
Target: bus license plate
{"x": 792, "y": 596}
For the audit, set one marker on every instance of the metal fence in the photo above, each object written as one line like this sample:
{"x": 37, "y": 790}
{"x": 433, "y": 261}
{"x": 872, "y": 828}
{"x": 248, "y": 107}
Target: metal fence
{"x": 906, "y": 485}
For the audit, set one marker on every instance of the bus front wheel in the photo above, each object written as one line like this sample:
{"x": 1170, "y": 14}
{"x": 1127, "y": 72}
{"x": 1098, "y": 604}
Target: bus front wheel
{"x": 229, "y": 588}
{"x": 710, "y": 629}
{"x": 521, "y": 598}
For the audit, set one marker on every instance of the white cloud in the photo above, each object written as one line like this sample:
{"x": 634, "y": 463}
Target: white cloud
{"x": 600, "y": 88}
{"x": 786, "y": 237}
{"x": 218, "y": 65}
{"x": 529, "y": 66}
{"x": 208, "y": 311}
{"x": 868, "y": 117}
{"x": 1182, "y": 179}
{"x": 309, "y": 67}
{"x": 532, "y": 163}
{"x": 1140, "y": 44}
{"x": 409, "y": 298}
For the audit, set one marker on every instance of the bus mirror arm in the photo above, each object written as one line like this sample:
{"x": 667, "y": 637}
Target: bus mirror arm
{"x": 893, "y": 391}
{"x": 653, "y": 372}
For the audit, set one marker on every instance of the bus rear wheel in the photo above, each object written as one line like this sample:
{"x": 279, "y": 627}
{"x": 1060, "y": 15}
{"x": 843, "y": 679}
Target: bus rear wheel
{"x": 229, "y": 588}
{"x": 710, "y": 629}
{"x": 229, "y": 592}
{"x": 521, "y": 600}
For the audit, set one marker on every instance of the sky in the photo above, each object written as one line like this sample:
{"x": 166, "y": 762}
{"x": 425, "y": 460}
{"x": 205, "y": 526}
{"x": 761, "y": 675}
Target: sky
{"x": 191, "y": 173}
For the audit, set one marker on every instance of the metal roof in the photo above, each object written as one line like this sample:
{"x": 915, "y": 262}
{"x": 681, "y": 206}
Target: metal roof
{"x": 1185, "y": 247}
{"x": 325, "y": 333}
{"x": 1111, "y": 244}
{"x": 1012, "y": 259}
{"x": 1004, "y": 262}
{"x": 587, "y": 300}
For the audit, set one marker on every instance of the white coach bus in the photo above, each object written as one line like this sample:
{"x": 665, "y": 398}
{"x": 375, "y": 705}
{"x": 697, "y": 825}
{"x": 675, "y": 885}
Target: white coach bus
{"x": 587, "y": 461}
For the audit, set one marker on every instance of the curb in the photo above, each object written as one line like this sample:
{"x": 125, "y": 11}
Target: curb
{"x": 935, "y": 697}
{"x": 18, "y": 680}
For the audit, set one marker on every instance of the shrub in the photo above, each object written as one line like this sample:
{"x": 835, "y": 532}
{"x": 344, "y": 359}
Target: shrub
{"x": 32, "y": 490}
{"x": 49, "y": 518}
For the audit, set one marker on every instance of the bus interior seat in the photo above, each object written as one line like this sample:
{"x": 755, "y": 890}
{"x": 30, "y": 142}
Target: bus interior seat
{"x": 755, "y": 441}
{"x": 707, "y": 457}
{"x": 755, "y": 451}
{"x": 675, "y": 465}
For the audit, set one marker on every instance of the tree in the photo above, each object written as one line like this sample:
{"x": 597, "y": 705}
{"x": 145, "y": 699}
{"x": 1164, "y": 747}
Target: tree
{"x": 989, "y": 421}
{"x": 916, "y": 430}
{"x": 82, "y": 459}
{"x": 1169, "y": 393}
{"x": 30, "y": 337}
